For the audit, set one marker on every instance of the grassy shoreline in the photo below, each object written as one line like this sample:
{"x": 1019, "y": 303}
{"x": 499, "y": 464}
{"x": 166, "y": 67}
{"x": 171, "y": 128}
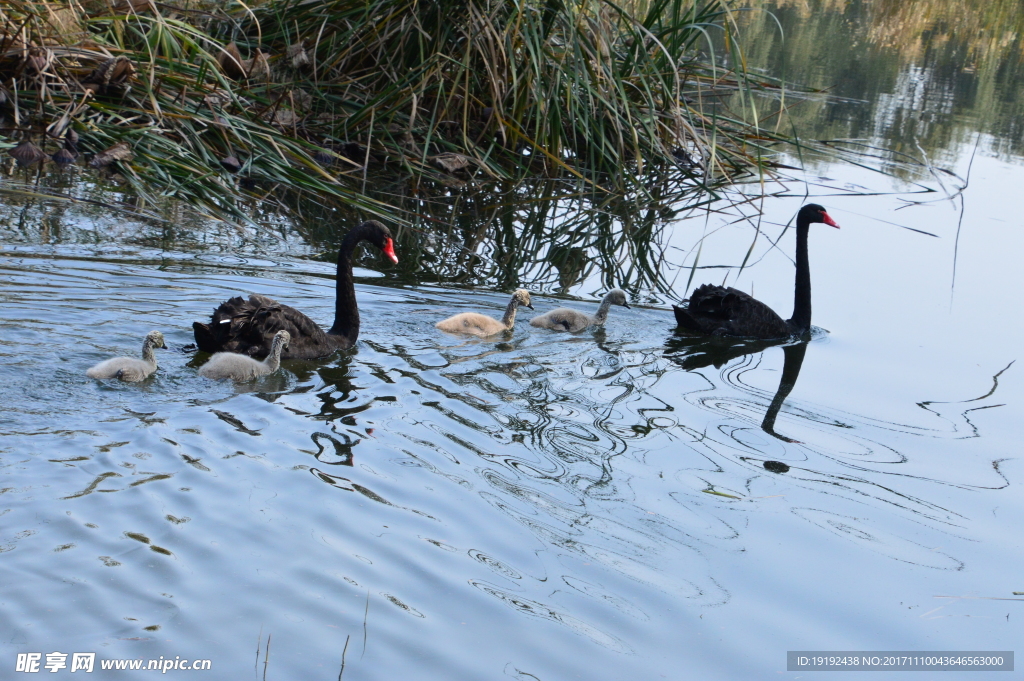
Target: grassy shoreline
{"x": 214, "y": 104}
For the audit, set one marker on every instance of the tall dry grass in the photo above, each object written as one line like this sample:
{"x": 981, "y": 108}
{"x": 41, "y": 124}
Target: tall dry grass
{"x": 214, "y": 100}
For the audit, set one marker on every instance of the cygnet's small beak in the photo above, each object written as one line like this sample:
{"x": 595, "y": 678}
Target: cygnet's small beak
{"x": 529, "y": 306}
{"x": 626, "y": 305}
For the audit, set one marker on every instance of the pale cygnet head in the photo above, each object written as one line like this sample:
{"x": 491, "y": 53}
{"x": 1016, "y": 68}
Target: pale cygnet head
{"x": 523, "y": 296}
{"x": 155, "y": 339}
{"x": 617, "y": 297}
{"x": 283, "y": 337}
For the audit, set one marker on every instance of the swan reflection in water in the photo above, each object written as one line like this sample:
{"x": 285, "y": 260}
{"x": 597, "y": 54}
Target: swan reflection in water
{"x": 794, "y": 359}
{"x": 698, "y": 352}
{"x": 903, "y": 513}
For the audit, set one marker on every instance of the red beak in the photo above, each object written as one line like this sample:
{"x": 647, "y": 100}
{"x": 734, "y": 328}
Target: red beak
{"x": 389, "y": 249}
{"x": 824, "y": 218}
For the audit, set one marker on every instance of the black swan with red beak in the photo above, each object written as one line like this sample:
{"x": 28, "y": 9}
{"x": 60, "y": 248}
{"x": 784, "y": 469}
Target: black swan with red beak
{"x": 722, "y": 311}
{"x": 249, "y": 326}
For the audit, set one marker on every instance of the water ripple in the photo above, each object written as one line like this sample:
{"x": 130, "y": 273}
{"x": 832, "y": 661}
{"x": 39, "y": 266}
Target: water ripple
{"x": 604, "y": 482}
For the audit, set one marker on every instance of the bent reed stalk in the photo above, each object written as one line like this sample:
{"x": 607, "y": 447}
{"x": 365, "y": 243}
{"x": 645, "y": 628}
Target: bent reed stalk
{"x": 213, "y": 101}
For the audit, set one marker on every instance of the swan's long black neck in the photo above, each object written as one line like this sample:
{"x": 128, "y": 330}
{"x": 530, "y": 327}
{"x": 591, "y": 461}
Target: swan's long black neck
{"x": 346, "y": 313}
{"x": 801, "y": 319}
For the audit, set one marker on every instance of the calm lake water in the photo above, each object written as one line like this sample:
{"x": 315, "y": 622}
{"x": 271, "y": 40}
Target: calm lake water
{"x": 545, "y": 506}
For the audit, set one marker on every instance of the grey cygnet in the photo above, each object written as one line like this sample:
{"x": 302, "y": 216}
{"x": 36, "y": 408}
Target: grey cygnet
{"x": 129, "y": 368}
{"x": 242, "y": 368}
{"x": 565, "y": 319}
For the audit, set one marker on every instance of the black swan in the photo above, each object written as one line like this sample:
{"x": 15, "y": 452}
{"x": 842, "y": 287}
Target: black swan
{"x": 128, "y": 368}
{"x": 476, "y": 324}
{"x": 241, "y": 368}
{"x": 722, "y": 311}
{"x": 566, "y": 319}
{"x": 248, "y": 326}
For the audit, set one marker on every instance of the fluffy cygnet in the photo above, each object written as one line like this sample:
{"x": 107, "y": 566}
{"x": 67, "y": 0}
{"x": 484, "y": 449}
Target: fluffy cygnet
{"x": 476, "y": 324}
{"x": 564, "y": 319}
{"x": 242, "y": 368}
{"x": 129, "y": 368}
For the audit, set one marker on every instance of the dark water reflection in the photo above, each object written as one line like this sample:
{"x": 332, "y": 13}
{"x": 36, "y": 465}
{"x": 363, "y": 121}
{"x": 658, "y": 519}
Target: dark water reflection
{"x": 794, "y": 355}
{"x": 698, "y": 352}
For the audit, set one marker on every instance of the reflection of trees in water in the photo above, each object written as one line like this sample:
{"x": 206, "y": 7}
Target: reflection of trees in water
{"x": 546, "y": 236}
{"x": 564, "y": 237}
{"x": 931, "y": 70}
{"x": 47, "y": 206}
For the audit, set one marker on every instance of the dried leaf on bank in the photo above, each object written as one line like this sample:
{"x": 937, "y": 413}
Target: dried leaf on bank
{"x": 451, "y": 162}
{"x": 230, "y": 62}
{"x": 231, "y": 164}
{"x": 217, "y": 98}
{"x": 37, "y": 61}
{"x": 301, "y": 99}
{"x": 121, "y": 151}
{"x": 116, "y": 72}
{"x": 234, "y": 67}
{"x": 66, "y": 22}
{"x": 284, "y": 118}
{"x": 258, "y": 68}
{"x": 298, "y": 56}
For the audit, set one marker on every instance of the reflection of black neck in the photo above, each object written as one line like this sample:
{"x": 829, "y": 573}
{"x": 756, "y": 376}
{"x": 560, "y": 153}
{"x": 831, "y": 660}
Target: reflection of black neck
{"x": 794, "y": 355}
{"x": 801, "y": 320}
{"x": 346, "y": 312}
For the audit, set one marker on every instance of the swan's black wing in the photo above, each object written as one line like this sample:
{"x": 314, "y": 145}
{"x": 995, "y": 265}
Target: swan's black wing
{"x": 248, "y": 327}
{"x": 722, "y": 311}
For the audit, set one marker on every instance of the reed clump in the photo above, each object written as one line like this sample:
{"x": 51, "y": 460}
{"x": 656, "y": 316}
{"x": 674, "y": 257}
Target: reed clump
{"x": 208, "y": 102}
